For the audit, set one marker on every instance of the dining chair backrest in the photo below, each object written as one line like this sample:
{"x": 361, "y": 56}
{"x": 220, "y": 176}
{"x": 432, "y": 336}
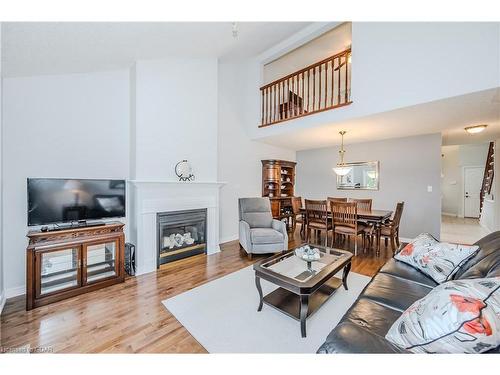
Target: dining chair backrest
{"x": 296, "y": 205}
{"x": 362, "y": 204}
{"x": 397, "y": 214}
{"x": 334, "y": 199}
{"x": 316, "y": 211}
{"x": 344, "y": 214}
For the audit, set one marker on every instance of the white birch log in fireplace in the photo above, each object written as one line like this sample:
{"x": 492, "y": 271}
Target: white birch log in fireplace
{"x": 177, "y": 240}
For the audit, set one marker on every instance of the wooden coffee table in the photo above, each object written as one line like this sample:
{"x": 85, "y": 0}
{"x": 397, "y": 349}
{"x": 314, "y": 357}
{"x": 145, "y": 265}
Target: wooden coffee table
{"x": 303, "y": 287}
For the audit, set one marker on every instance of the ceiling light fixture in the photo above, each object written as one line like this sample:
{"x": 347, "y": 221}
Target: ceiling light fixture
{"x": 342, "y": 169}
{"x": 475, "y": 129}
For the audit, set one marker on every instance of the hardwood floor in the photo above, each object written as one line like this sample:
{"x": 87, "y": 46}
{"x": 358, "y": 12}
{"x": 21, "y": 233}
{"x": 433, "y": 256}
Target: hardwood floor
{"x": 129, "y": 317}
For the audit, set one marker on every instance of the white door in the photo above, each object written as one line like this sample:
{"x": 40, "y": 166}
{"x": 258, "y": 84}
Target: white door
{"x": 473, "y": 180}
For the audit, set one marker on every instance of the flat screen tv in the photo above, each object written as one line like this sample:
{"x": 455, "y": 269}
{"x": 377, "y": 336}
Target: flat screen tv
{"x": 57, "y": 200}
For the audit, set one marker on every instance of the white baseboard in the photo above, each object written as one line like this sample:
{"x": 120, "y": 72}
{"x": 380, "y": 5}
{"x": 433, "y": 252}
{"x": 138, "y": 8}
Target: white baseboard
{"x": 14, "y": 292}
{"x": 449, "y": 214}
{"x": 2, "y": 302}
{"x": 229, "y": 239}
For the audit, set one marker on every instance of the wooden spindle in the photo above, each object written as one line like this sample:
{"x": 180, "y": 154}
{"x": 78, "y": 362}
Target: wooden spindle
{"x": 279, "y": 101}
{"x": 346, "y": 77}
{"x": 273, "y": 115}
{"x": 319, "y": 87}
{"x": 314, "y": 89}
{"x": 302, "y": 100}
{"x": 326, "y": 83}
{"x": 288, "y": 98}
{"x": 262, "y": 119}
{"x": 333, "y": 81}
{"x": 338, "y": 83}
{"x": 269, "y": 104}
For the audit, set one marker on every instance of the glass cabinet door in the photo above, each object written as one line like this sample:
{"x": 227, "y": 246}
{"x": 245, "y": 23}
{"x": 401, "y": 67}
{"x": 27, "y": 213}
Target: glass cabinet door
{"x": 57, "y": 270}
{"x": 100, "y": 261}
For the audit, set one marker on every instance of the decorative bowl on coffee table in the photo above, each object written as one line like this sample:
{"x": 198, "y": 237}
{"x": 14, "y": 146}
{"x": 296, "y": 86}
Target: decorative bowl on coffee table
{"x": 308, "y": 255}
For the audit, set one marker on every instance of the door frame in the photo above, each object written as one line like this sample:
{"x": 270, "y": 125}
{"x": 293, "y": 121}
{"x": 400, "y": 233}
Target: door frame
{"x": 462, "y": 188}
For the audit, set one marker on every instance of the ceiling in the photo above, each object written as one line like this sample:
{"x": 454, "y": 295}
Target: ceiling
{"x": 40, "y": 48}
{"x": 448, "y": 116}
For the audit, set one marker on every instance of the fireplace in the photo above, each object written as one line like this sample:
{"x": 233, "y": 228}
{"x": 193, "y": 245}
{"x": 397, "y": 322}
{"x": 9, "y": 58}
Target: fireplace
{"x": 181, "y": 234}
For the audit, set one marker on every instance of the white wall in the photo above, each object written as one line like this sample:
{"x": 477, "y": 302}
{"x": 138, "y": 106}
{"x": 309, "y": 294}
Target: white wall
{"x": 58, "y": 126}
{"x": 454, "y": 159}
{"x": 239, "y": 158}
{"x": 175, "y": 118}
{"x": 450, "y": 180}
{"x": 2, "y": 265}
{"x": 407, "y": 167}
{"x": 395, "y": 65}
{"x": 325, "y": 45}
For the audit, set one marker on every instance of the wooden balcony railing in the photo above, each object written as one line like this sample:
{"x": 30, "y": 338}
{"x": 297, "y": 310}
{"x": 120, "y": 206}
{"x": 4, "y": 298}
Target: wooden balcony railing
{"x": 319, "y": 87}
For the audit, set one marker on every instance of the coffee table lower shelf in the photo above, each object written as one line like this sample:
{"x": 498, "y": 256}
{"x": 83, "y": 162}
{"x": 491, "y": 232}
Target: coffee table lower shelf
{"x": 289, "y": 303}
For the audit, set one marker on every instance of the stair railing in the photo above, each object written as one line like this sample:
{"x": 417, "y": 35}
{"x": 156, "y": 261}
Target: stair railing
{"x": 319, "y": 87}
{"x": 489, "y": 172}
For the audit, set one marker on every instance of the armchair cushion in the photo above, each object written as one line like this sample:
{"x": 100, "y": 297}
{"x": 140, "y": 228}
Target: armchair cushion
{"x": 265, "y": 236}
{"x": 256, "y": 212}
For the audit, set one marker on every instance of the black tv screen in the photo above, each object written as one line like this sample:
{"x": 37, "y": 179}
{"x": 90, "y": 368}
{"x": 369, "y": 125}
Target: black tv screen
{"x": 57, "y": 200}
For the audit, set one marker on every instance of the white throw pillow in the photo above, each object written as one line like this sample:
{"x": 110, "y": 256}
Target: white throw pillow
{"x": 460, "y": 316}
{"x": 438, "y": 260}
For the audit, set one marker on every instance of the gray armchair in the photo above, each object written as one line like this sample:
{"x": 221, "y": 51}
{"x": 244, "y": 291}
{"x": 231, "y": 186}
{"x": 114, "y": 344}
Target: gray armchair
{"x": 259, "y": 232}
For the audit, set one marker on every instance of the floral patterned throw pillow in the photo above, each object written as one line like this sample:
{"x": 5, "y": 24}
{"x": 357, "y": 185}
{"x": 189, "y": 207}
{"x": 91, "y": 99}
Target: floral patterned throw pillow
{"x": 438, "y": 260}
{"x": 460, "y": 316}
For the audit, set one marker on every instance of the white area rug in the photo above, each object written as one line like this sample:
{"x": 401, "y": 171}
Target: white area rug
{"x": 222, "y": 316}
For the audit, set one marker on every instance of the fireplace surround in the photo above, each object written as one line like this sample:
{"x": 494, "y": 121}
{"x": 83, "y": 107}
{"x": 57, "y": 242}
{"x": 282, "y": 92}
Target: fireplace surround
{"x": 148, "y": 198}
{"x": 181, "y": 234}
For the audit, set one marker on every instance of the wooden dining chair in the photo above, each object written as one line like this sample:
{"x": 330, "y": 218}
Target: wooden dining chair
{"x": 345, "y": 222}
{"x": 390, "y": 229}
{"x": 362, "y": 204}
{"x": 298, "y": 216}
{"x": 317, "y": 218}
{"x": 365, "y": 205}
{"x": 334, "y": 199}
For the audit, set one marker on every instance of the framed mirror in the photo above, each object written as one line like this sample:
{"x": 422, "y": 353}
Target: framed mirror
{"x": 362, "y": 176}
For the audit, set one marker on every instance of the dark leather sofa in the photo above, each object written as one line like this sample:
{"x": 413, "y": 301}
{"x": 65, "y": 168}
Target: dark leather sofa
{"x": 395, "y": 287}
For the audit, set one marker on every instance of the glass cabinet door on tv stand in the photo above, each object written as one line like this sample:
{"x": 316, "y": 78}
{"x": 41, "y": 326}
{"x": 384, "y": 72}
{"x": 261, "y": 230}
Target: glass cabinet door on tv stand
{"x": 57, "y": 270}
{"x": 100, "y": 261}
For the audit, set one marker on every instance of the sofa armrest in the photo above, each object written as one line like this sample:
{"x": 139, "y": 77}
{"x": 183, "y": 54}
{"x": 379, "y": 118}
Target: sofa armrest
{"x": 244, "y": 236}
{"x": 280, "y": 226}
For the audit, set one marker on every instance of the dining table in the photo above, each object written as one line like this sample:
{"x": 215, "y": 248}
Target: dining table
{"x": 375, "y": 217}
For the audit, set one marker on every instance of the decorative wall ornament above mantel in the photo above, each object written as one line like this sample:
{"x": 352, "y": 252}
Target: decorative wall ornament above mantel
{"x": 183, "y": 170}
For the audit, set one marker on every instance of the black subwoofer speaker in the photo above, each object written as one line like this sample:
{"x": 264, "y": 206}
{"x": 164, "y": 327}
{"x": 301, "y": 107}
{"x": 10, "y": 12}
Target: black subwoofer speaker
{"x": 130, "y": 258}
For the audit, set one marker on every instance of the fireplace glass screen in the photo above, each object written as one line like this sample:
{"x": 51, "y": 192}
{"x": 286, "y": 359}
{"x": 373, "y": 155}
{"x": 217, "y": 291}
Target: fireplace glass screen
{"x": 181, "y": 234}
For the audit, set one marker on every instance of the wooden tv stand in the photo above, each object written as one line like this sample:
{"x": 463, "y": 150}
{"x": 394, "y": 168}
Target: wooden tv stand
{"x": 65, "y": 263}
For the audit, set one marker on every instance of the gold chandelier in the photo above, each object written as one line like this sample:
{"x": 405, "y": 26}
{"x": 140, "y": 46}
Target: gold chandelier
{"x": 342, "y": 169}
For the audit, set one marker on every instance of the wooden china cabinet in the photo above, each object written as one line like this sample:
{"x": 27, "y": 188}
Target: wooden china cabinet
{"x": 64, "y": 263}
{"x": 278, "y": 184}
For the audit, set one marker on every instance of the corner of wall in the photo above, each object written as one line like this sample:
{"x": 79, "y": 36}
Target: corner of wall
{"x": 2, "y": 281}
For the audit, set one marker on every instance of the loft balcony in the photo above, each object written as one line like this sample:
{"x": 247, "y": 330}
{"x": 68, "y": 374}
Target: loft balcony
{"x": 319, "y": 87}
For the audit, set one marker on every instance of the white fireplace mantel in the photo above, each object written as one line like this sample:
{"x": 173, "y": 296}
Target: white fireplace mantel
{"x": 150, "y": 197}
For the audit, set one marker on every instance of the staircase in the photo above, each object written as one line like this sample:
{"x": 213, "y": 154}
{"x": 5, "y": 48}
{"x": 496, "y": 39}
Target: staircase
{"x": 489, "y": 171}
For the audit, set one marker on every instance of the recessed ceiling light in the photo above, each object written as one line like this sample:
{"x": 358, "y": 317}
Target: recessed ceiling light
{"x": 475, "y": 129}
